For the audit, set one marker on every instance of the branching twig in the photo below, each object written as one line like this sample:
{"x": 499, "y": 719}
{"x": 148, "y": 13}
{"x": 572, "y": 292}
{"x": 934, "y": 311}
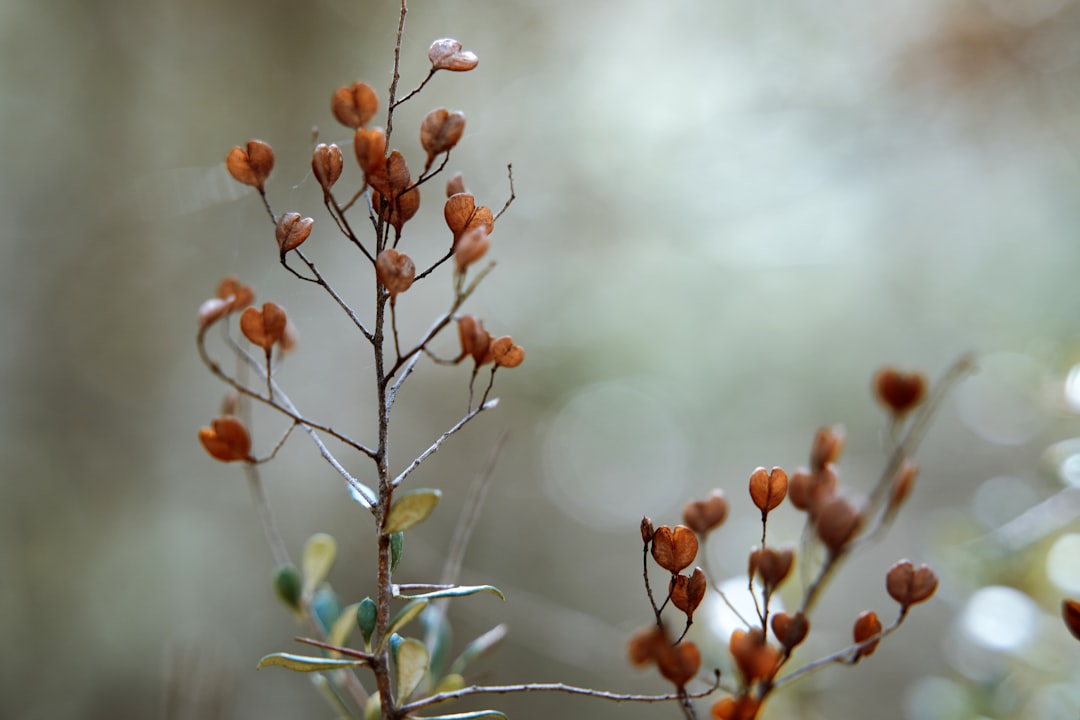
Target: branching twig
{"x": 438, "y": 443}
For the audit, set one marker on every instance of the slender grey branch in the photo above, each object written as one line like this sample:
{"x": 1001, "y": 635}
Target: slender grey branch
{"x": 442, "y": 438}
{"x": 337, "y": 298}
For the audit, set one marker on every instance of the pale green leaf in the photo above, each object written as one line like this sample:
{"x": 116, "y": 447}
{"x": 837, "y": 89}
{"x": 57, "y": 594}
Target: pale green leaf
{"x": 412, "y": 665}
{"x": 459, "y": 591}
{"x": 450, "y": 683}
{"x": 343, "y": 626}
{"x": 403, "y": 618}
{"x": 373, "y": 707}
{"x": 304, "y": 663}
{"x": 411, "y": 509}
{"x": 319, "y": 553}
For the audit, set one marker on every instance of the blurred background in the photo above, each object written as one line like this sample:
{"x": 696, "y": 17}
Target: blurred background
{"x": 728, "y": 216}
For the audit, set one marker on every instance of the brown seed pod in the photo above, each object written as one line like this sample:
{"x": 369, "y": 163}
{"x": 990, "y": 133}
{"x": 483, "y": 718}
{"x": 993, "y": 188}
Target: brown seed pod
{"x": 251, "y": 165}
{"x": 395, "y": 270}
{"x": 327, "y": 164}
{"x": 446, "y": 54}
{"x": 291, "y": 231}
{"x": 866, "y": 626}
{"x": 440, "y": 132}
{"x": 771, "y": 565}
{"x": 226, "y": 439}
{"x": 645, "y": 645}
{"x": 702, "y": 516}
{"x": 688, "y": 592}
{"x": 755, "y": 658}
{"x": 354, "y": 106}
{"x": 239, "y": 295}
{"x": 370, "y": 149}
{"x": 679, "y": 664}
{"x": 900, "y": 392}
{"x": 827, "y": 447}
{"x": 768, "y": 488}
{"x": 1070, "y": 612}
{"x": 455, "y": 185}
{"x": 211, "y": 311}
{"x": 475, "y": 340}
{"x": 647, "y": 530}
{"x": 264, "y": 327}
{"x": 790, "y": 630}
{"x": 470, "y": 247}
{"x": 909, "y": 586}
{"x": 505, "y": 353}
{"x": 902, "y": 483}
{"x": 837, "y": 524}
{"x": 743, "y": 707}
{"x": 674, "y": 549}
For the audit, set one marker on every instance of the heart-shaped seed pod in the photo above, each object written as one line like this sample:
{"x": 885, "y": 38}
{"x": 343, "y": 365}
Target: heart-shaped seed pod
{"x": 446, "y": 54}
{"x": 827, "y": 447}
{"x": 900, "y": 392}
{"x": 674, "y": 549}
{"x": 790, "y": 630}
{"x": 354, "y": 106}
{"x": 768, "y": 488}
{"x": 645, "y": 645}
{"x": 505, "y": 353}
{"x": 226, "y": 439}
{"x": 679, "y": 664}
{"x": 395, "y": 270}
{"x": 908, "y": 585}
{"x": 327, "y": 164}
{"x": 291, "y": 231}
{"x": 264, "y": 327}
{"x": 837, "y": 524}
{"x": 771, "y": 565}
{"x": 866, "y": 626}
{"x": 688, "y": 592}
{"x": 475, "y": 340}
{"x": 239, "y": 294}
{"x": 702, "y": 516}
{"x": 744, "y": 707}
{"x": 440, "y": 132}
{"x": 251, "y": 165}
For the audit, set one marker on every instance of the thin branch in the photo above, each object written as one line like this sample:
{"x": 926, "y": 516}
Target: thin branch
{"x": 510, "y": 173}
{"x": 337, "y": 298}
{"x": 266, "y": 516}
{"x": 470, "y": 514}
{"x": 343, "y": 223}
{"x": 391, "y": 394}
{"x": 438, "y": 443}
{"x": 449, "y": 254}
{"x": 266, "y": 204}
{"x": 277, "y": 447}
{"x": 418, "y": 88}
{"x": 554, "y": 687}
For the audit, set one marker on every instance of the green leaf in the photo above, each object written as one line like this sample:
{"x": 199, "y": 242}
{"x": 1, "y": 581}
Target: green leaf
{"x": 304, "y": 663}
{"x": 287, "y": 586}
{"x": 451, "y": 683}
{"x": 412, "y": 665}
{"x": 475, "y": 715}
{"x": 459, "y": 591}
{"x": 366, "y": 615}
{"x": 319, "y": 553}
{"x": 479, "y": 646}
{"x": 373, "y": 707}
{"x": 326, "y": 608}
{"x": 343, "y": 626}
{"x": 397, "y": 547}
{"x": 411, "y": 509}
{"x": 407, "y": 614}
{"x": 437, "y": 637}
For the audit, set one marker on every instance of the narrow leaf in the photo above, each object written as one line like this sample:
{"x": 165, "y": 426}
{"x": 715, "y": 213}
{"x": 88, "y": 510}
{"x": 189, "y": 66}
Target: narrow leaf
{"x": 326, "y": 608}
{"x": 412, "y": 665}
{"x": 475, "y": 715}
{"x": 363, "y": 495}
{"x": 397, "y": 547}
{"x": 319, "y": 553}
{"x": 459, "y": 591}
{"x": 304, "y": 663}
{"x": 411, "y": 509}
{"x": 403, "y": 618}
{"x": 366, "y": 613}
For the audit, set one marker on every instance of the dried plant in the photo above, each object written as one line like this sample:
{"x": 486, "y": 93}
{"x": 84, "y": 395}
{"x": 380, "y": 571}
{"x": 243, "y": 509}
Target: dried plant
{"x": 393, "y": 670}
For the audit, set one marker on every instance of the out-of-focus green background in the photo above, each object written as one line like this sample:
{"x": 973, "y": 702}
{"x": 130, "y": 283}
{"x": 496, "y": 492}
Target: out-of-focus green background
{"x": 729, "y": 214}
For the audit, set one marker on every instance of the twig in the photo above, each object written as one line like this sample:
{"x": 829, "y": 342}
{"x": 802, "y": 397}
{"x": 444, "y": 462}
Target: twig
{"x": 438, "y": 443}
{"x": 510, "y": 174}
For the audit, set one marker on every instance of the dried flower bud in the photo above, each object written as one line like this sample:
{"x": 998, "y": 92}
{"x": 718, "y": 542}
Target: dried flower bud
{"x": 264, "y": 327}
{"x": 771, "y": 565}
{"x": 446, "y": 54}
{"x": 1070, "y": 612}
{"x": 674, "y": 549}
{"x": 828, "y": 444}
{"x": 505, "y": 353}
{"x": 291, "y": 231}
{"x": 790, "y": 630}
{"x": 475, "y": 340}
{"x": 251, "y": 165}
{"x": 867, "y": 626}
{"x": 899, "y": 391}
{"x": 238, "y": 294}
{"x": 705, "y": 515}
{"x": 327, "y": 164}
{"x": 837, "y": 524}
{"x": 455, "y": 185}
{"x": 354, "y": 106}
{"x": 395, "y": 270}
{"x": 226, "y": 439}
{"x": 470, "y": 247}
{"x": 679, "y": 664}
{"x": 647, "y": 530}
{"x": 688, "y": 592}
{"x": 440, "y": 132}
{"x": 768, "y": 488}
{"x": 909, "y": 586}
